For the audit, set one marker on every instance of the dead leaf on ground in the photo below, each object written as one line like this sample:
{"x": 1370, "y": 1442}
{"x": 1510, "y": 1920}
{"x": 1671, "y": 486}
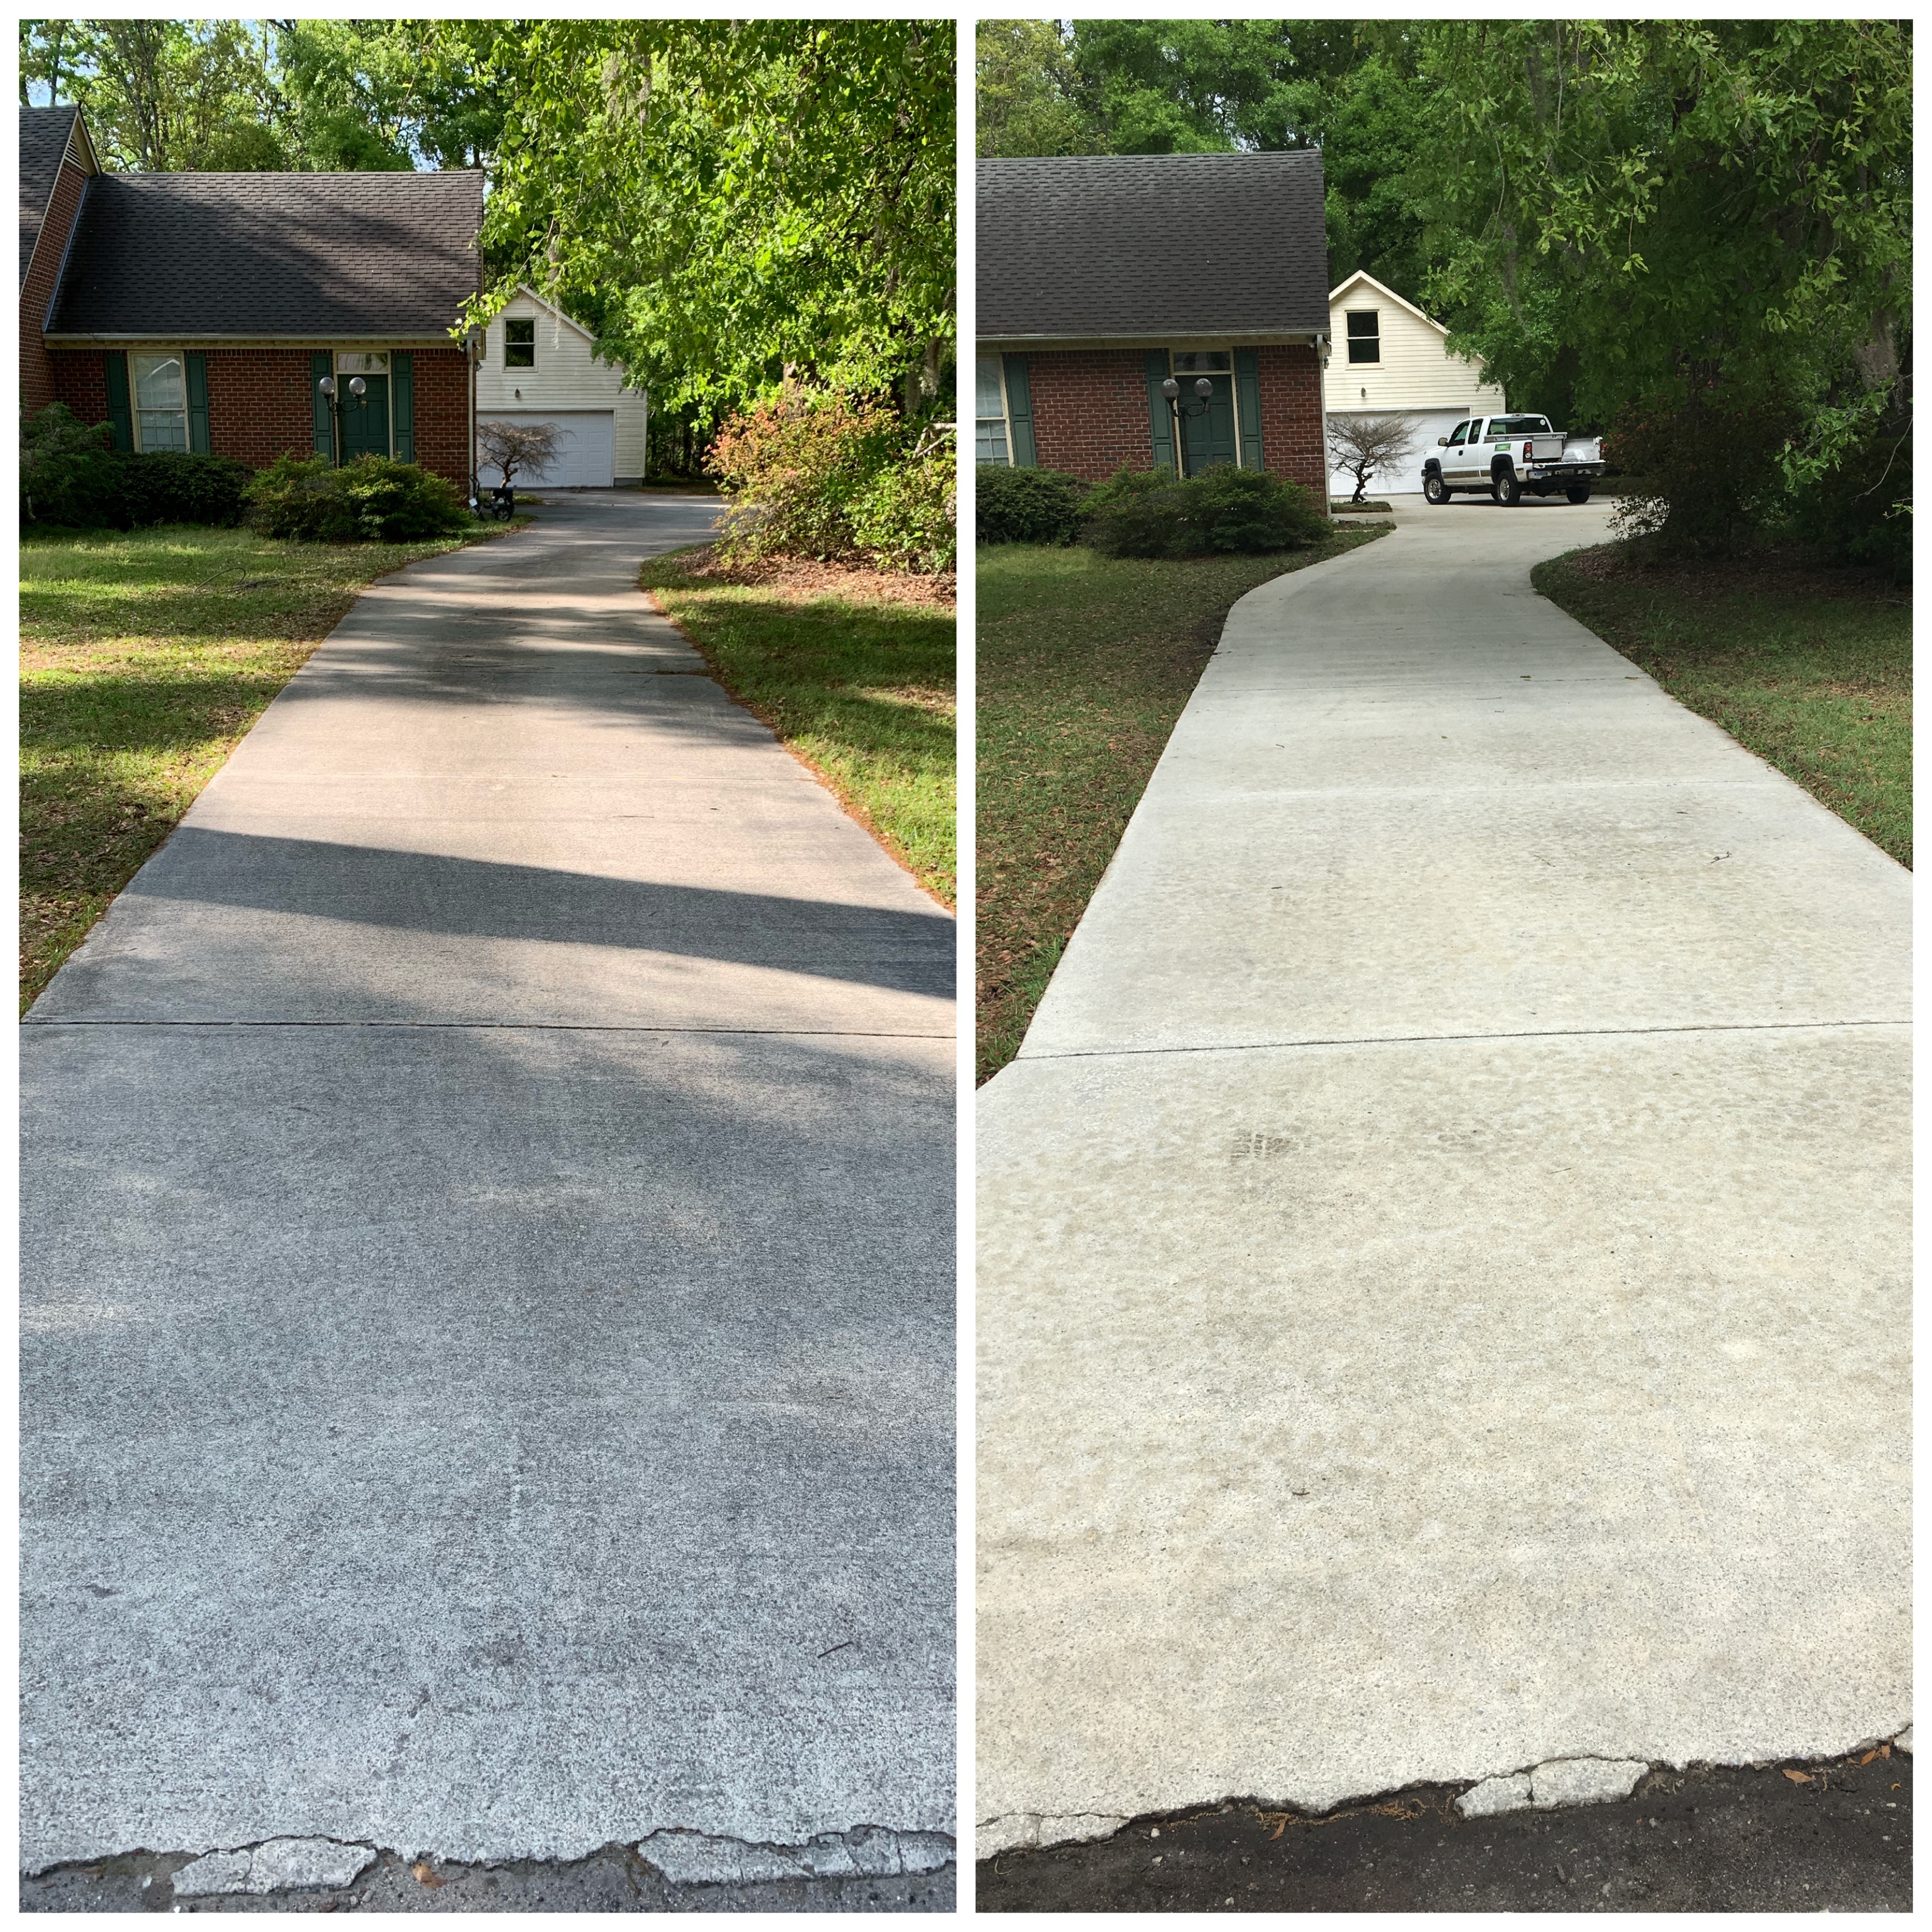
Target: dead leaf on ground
{"x": 425, "y": 1874}
{"x": 1799, "y": 1777}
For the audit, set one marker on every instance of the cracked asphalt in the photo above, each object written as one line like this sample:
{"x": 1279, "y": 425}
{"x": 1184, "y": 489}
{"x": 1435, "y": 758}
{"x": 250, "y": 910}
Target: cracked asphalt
{"x": 487, "y": 1270}
{"x": 1836, "y": 1837}
{"x": 614, "y": 1878}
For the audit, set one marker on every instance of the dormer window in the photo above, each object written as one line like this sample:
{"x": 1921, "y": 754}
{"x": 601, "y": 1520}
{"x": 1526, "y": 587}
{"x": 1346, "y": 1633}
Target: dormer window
{"x": 1365, "y": 335}
{"x": 520, "y": 344}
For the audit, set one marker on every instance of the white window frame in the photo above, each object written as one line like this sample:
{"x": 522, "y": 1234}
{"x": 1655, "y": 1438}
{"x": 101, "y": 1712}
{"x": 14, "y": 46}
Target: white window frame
{"x": 347, "y": 362}
{"x": 1368, "y": 361}
{"x": 532, "y": 362}
{"x": 999, "y": 363}
{"x": 162, "y": 353}
{"x": 1185, "y": 378}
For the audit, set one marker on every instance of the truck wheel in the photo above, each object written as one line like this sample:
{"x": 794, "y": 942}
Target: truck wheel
{"x": 1506, "y": 489}
{"x": 1434, "y": 488}
{"x": 1582, "y": 495}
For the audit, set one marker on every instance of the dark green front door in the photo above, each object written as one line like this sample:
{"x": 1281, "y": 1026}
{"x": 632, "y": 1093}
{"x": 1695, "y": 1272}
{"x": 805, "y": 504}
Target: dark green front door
{"x": 1210, "y": 435}
{"x": 365, "y": 431}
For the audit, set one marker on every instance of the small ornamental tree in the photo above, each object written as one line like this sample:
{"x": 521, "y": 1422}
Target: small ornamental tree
{"x": 512, "y": 446}
{"x": 1371, "y": 445}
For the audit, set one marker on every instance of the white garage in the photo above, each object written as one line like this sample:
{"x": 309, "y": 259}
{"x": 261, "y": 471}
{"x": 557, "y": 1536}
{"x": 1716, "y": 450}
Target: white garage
{"x": 538, "y": 366}
{"x": 586, "y": 447}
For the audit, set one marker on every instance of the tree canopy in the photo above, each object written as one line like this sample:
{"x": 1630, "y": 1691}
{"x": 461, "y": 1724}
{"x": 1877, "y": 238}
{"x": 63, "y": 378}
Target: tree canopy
{"x": 731, "y": 202}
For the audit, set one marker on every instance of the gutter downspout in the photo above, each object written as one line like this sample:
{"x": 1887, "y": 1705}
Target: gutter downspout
{"x": 1322, "y": 348}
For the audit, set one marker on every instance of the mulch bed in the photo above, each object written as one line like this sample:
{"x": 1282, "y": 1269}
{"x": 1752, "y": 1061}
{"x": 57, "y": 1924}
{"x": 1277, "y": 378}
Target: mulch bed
{"x": 804, "y": 578}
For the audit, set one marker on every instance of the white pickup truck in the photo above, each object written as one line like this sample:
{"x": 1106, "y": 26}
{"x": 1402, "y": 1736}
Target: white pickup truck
{"x": 1505, "y": 456}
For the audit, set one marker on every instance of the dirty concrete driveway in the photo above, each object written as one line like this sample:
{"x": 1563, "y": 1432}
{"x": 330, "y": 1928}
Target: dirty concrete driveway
{"x": 1443, "y": 1272}
{"x": 487, "y": 1270}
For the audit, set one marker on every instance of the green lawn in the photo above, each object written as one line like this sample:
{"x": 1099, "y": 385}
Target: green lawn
{"x": 1084, "y": 665}
{"x": 144, "y": 658}
{"x": 861, "y": 687}
{"x": 1810, "y": 668}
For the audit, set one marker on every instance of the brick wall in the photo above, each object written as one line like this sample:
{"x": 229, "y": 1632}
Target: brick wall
{"x": 1091, "y": 412}
{"x": 38, "y": 386}
{"x": 259, "y": 403}
{"x": 1291, "y": 386}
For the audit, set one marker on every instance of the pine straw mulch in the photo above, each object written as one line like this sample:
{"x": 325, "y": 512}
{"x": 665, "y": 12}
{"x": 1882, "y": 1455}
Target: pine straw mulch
{"x": 801, "y": 579}
{"x": 1793, "y": 570}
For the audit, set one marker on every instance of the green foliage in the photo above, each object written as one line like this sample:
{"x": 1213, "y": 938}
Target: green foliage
{"x": 1706, "y": 469}
{"x": 374, "y": 499}
{"x": 1026, "y": 506}
{"x": 68, "y": 477}
{"x": 1027, "y": 92}
{"x": 1125, "y": 486}
{"x": 296, "y": 96}
{"x": 1860, "y": 512}
{"x": 731, "y": 202}
{"x": 823, "y": 474}
{"x": 1224, "y": 512}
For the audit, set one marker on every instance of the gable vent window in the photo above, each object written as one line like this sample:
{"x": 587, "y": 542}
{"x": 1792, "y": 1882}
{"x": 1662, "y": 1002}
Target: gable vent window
{"x": 519, "y": 344}
{"x": 1365, "y": 338}
{"x": 160, "y": 401}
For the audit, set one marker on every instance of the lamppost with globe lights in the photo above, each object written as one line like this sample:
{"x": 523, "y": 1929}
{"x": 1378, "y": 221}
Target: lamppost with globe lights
{"x": 331, "y": 394}
{"x": 1170, "y": 389}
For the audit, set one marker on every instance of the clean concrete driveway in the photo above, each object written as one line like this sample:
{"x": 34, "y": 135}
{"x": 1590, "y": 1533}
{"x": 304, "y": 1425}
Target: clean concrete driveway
{"x": 488, "y": 1272}
{"x": 1443, "y": 1295}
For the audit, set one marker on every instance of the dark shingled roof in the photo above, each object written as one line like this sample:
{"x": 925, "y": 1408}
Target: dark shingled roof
{"x": 311, "y": 255}
{"x": 1150, "y": 246}
{"x": 44, "y": 134}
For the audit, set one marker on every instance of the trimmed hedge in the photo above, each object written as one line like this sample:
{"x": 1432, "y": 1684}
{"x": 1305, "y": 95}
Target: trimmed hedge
{"x": 374, "y": 499}
{"x": 1025, "y": 506}
{"x": 68, "y": 478}
{"x": 1222, "y": 512}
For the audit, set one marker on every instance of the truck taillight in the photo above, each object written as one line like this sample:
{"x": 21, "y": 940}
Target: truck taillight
{"x": 1526, "y": 449}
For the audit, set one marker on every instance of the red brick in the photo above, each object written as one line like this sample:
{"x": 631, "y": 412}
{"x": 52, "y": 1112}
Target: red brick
{"x": 260, "y": 403}
{"x": 38, "y": 387}
{"x": 1091, "y": 412}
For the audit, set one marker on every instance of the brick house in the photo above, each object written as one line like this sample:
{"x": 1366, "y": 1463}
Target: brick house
{"x": 200, "y": 311}
{"x": 1101, "y": 277}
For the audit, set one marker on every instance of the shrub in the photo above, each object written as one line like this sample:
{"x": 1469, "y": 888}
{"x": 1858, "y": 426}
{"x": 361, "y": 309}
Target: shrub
{"x": 1860, "y": 512}
{"x": 1025, "y": 506}
{"x": 1223, "y": 511}
{"x": 1708, "y": 467}
{"x": 374, "y": 499}
{"x": 68, "y": 477}
{"x": 908, "y": 519}
{"x": 825, "y": 475}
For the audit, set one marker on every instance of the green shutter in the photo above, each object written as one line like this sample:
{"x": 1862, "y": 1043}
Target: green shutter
{"x": 403, "y": 404}
{"x": 1019, "y": 413}
{"x": 320, "y": 364}
{"x": 118, "y": 413}
{"x": 197, "y": 401}
{"x": 1162, "y": 417}
{"x": 1248, "y": 406}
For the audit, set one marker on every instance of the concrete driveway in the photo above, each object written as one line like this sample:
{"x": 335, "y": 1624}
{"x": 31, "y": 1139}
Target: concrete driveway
{"x": 488, "y": 1273}
{"x": 1443, "y": 1297}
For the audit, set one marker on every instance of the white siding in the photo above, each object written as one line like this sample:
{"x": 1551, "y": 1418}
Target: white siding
{"x": 1415, "y": 372}
{"x": 566, "y": 376}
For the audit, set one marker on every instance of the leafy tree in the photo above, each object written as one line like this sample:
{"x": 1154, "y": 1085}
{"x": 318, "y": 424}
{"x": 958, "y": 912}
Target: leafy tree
{"x": 1028, "y": 93}
{"x": 1657, "y": 212}
{"x": 727, "y": 203}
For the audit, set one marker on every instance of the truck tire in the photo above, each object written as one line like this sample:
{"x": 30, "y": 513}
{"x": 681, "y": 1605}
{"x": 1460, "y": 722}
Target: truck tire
{"x": 1434, "y": 488}
{"x": 1506, "y": 489}
{"x": 1580, "y": 496}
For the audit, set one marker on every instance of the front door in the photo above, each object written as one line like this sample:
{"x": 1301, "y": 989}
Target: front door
{"x": 1211, "y": 435}
{"x": 365, "y": 428}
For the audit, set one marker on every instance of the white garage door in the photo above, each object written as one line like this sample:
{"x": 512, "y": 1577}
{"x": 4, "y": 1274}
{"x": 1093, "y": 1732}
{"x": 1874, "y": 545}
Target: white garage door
{"x": 586, "y": 443}
{"x": 1405, "y": 479}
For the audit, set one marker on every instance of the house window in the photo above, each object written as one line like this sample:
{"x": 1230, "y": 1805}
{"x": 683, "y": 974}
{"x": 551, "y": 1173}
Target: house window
{"x": 1202, "y": 361}
{"x": 362, "y": 362}
{"x": 519, "y": 344}
{"x": 161, "y": 401}
{"x": 991, "y": 441}
{"x": 1365, "y": 335}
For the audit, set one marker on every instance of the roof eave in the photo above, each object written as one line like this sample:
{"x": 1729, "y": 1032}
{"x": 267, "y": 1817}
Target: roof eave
{"x": 317, "y": 338}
